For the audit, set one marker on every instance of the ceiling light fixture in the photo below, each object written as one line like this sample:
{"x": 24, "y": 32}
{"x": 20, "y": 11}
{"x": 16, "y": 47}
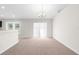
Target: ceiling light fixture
{"x": 2, "y": 7}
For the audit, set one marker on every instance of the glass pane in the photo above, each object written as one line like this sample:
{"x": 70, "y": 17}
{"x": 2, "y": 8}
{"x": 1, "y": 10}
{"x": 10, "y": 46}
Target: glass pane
{"x": 10, "y": 26}
{"x": 36, "y": 30}
{"x": 17, "y": 26}
{"x": 43, "y": 29}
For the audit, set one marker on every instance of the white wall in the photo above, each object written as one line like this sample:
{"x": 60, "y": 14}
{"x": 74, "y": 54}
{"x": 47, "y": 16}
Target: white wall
{"x": 27, "y": 27}
{"x": 7, "y": 40}
{"x": 66, "y": 27}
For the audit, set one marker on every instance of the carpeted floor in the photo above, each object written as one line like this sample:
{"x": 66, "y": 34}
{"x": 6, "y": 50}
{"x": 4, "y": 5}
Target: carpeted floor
{"x": 39, "y": 47}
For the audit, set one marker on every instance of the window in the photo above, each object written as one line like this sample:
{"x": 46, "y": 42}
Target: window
{"x": 12, "y": 26}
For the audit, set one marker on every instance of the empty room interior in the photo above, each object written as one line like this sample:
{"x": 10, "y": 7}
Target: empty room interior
{"x": 39, "y": 29}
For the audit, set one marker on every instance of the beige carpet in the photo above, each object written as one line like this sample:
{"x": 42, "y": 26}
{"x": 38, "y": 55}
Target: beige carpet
{"x": 39, "y": 47}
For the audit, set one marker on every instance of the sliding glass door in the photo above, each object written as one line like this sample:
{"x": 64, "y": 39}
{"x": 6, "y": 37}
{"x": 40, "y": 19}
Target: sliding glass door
{"x": 40, "y": 30}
